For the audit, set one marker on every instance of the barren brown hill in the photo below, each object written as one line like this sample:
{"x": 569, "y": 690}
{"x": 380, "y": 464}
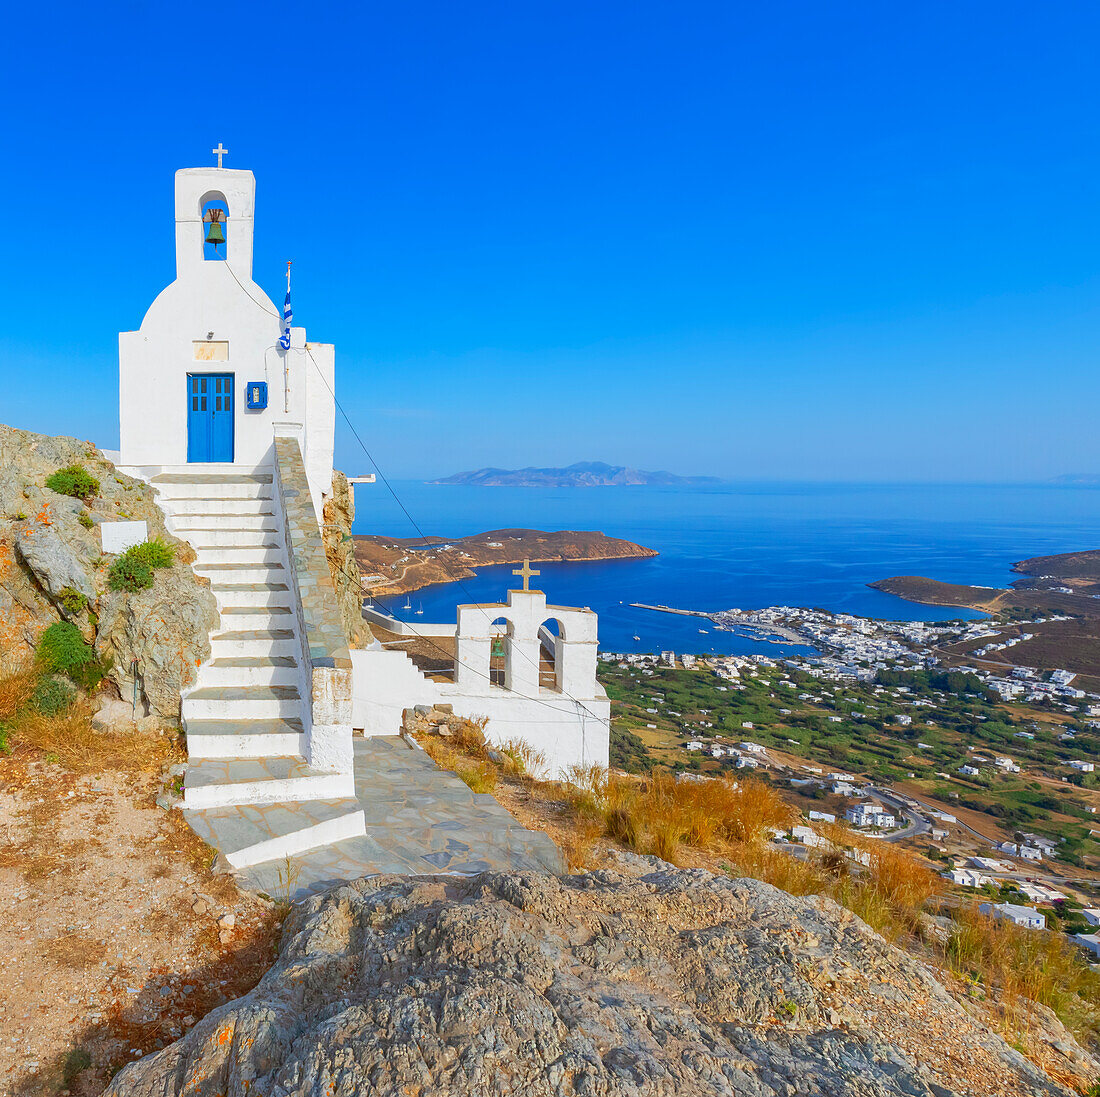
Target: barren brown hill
{"x": 995, "y": 600}
{"x": 407, "y": 564}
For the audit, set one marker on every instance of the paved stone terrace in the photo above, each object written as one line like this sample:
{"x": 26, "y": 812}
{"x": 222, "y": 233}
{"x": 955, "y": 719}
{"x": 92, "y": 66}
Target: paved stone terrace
{"x": 419, "y": 820}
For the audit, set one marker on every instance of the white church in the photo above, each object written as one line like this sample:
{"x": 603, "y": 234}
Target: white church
{"x": 229, "y": 412}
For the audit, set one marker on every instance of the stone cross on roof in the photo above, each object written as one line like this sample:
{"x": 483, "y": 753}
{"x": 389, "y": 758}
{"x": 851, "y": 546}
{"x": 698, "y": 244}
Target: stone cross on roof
{"x": 526, "y": 572}
{"x": 219, "y": 152}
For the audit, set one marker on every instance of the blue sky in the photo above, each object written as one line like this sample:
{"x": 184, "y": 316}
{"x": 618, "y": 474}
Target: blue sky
{"x": 793, "y": 240}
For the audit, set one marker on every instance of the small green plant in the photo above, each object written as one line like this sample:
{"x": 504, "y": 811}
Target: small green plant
{"x": 790, "y": 1008}
{"x": 76, "y": 1061}
{"x": 72, "y": 601}
{"x": 21, "y": 516}
{"x": 86, "y": 521}
{"x": 155, "y": 553}
{"x": 74, "y": 480}
{"x": 133, "y": 570}
{"x": 52, "y": 696}
{"x": 63, "y": 650}
{"x": 130, "y": 574}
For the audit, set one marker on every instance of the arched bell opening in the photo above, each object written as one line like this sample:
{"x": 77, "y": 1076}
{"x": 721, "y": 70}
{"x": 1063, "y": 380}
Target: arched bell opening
{"x": 551, "y": 636}
{"x": 500, "y": 638}
{"x": 215, "y": 228}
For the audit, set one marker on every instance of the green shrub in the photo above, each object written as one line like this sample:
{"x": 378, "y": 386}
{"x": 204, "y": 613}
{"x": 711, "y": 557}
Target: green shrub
{"x": 63, "y": 650}
{"x": 72, "y": 600}
{"x": 52, "y": 696}
{"x": 86, "y": 521}
{"x": 130, "y": 574}
{"x": 73, "y": 480}
{"x": 133, "y": 570}
{"x": 154, "y": 554}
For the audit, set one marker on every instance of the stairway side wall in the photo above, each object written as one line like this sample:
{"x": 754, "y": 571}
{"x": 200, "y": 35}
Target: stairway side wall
{"x": 325, "y": 662}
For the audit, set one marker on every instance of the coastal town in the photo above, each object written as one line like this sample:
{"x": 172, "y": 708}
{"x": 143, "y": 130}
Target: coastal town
{"x": 874, "y": 735}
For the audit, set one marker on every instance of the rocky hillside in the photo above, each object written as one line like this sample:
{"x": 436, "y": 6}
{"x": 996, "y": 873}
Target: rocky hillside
{"x": 643, "y": 980}
{"x": 52, "y": 567}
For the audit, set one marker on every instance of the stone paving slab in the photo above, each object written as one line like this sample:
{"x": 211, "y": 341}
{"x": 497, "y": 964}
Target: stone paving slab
{"x": 420, "y": 820}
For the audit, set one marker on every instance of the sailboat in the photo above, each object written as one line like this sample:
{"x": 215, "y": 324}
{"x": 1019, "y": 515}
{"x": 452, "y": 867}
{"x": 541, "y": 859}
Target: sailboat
{"x": 408, "y": 604}
{"x": 637, "y": 637}
{"x": 420, "y": 609}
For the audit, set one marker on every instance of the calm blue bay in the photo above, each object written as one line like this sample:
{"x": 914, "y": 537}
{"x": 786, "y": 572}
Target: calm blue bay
{"x": 745, "y": 545}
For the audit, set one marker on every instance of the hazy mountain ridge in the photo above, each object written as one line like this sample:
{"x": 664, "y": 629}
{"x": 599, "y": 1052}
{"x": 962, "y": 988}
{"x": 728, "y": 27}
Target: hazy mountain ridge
{"x": 581, "y": 474}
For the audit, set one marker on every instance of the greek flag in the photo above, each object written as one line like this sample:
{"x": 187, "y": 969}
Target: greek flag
{"x": 288, "y": 316}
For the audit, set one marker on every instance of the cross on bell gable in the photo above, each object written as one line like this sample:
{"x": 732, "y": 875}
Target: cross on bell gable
{"x": 526, "y": 572}
{"x": 219, "y": 152}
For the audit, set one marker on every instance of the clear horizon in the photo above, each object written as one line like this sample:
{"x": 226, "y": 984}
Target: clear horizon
{"x": 795, "y": 244}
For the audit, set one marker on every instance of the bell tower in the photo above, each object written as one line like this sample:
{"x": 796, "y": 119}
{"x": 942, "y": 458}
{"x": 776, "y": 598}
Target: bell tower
{"x": 201, "y": 193}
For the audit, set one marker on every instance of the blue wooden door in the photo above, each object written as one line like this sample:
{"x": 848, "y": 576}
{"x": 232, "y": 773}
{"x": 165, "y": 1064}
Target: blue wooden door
{"x": 210, "y": 417}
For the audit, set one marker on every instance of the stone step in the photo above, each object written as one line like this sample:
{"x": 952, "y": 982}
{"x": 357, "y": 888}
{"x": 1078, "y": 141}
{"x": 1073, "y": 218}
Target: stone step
{"x": 241, "y": 573}
{"x": 170, "y": 478}
{"x": 249, "y": 595}
{"x": 254, "y": 643}
{"x": 228, "y": 538}
{"x": 173, "y": 491}
{"x": 187, "y": 525}
{"x": 212, "y": 782}
{"x": 242, "y": 703}
{"x": 252, "y": 555}
{"x": 204, "y": 506}
{"x": 244, "y": 738}
{"x": 256, "y": 618}
{"x": 267, "y": 670}
{"x": 264, "y": 833}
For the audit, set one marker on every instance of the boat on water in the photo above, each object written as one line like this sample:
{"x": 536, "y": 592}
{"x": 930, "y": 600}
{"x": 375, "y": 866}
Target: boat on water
{"x": 637, "y": 637}
{"x": 703, "y": 630}
{"x": 408, "y": 604}
{"x": 420, "y": 608}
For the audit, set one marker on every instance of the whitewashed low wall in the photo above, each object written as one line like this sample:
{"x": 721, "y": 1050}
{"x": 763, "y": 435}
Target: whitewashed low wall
{"x": 385, "y": 683}
{"x": 567, "y": 734}
{"x": 404, "y": 628}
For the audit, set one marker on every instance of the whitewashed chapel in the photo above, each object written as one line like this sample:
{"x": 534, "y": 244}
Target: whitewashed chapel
{"x": 230, "y": 412}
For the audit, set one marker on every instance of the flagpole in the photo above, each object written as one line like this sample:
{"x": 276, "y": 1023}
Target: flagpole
{"x": 286, "y": 356}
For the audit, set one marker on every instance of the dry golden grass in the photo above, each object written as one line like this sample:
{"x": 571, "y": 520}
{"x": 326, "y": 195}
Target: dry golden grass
{"x": 75, "y": 950}
{"x": 15, "y": 691}
{"x": 1022, "y": 963}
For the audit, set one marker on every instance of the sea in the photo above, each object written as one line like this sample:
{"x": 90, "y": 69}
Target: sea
{"x": 745, "y": 545}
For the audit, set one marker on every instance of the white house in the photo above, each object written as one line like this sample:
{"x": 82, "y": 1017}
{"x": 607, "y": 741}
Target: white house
{"x": 1028, "y": 853}
{"x": 1092, "y": 915}
{"x": 1006, "y": 764}
{"x": 822, "y": 817}
{"x": 1040, "y": 893}
{"x": 967, "y": 877}
{"x": 1028, "y": 917}
{"x": 1084, "y": 767}
{"x": 870, "y": 814}
{"x": 969, "y": 771}
{"x": 1090, "y": 941}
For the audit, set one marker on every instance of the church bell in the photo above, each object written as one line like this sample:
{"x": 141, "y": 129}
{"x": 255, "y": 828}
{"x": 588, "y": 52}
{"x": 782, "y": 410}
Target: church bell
{"x": 498, "y": 647}
{"x": 214, "y": 234}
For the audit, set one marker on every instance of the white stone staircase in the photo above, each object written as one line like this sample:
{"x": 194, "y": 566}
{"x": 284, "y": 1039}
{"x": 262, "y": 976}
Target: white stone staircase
{"x": 244, "y": 717}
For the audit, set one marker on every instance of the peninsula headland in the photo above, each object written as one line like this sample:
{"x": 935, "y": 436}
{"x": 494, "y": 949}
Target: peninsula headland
{"x": 397, "y": 565}
{"x": 1051, "y": 614}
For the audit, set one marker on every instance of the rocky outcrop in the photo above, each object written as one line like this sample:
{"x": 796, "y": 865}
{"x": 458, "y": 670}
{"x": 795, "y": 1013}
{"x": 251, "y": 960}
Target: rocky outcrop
{"x": 339, "y": 514}
{"x": 643, "y": 980}
{"x": 50, "y": 547}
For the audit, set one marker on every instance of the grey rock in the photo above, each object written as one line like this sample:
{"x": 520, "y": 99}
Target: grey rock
{"x": 54, "y": 563}
{"x": 648, "y": 980}
{"x": 44, "y": 547}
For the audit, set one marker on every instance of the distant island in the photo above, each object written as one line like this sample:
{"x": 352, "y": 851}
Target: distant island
{"x": 393, "y": 565}
{"x": 583, "y": 474}
{"x": 1080, "y": 479}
